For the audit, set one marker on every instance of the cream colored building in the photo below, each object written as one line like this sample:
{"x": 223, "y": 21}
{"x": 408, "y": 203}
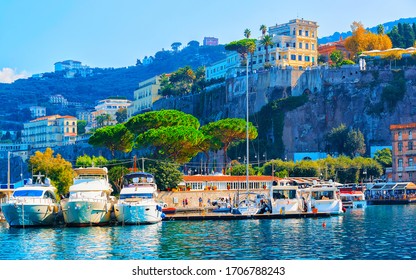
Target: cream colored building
{"x": 144, "y": 96}
{"x": 50, "y": 131}
{"x": 109, "y": 106}
{"x": 294, "y": 44}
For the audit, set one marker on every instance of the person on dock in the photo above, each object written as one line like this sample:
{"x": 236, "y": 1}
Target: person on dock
{"x": 200, "y": 201}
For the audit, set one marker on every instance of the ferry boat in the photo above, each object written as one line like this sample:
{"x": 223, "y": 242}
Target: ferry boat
{"x": 322, "y": 198}
{"x": 90, "y": 202}
{"x": 286, "y": 198}
{"x": 34, "y": 204}
{"x": 137, "y": 203}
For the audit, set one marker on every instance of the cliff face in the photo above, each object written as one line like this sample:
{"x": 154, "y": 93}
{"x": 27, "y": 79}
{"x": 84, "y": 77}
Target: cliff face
{"x": 360, "y": 100}
{"x": 366, "y": 100}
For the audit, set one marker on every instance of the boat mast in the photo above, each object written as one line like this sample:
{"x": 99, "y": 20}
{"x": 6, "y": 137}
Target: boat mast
{"x": 247, "y": 144}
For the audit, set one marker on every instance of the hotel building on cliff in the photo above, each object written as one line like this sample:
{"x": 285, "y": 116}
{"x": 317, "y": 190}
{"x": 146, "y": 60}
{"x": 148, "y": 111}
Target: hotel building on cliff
{"x": 295, "y": 44}
{"x": 403, "y": 152}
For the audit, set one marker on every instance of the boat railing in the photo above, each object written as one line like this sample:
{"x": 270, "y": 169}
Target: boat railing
{"x": 88, "y": 199}
{"x": 38, "y": 200}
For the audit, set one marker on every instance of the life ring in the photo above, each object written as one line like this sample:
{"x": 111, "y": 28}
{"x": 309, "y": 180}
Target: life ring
{"x": 50, "y": 208}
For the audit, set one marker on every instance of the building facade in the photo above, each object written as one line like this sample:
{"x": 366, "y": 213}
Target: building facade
{"x": 403, "y": 152}
{"x": 222, "y": 68}
{"x": 50, "y": 131}
{"x": 109, "y": 107}
{"x": 37, "y": 111}
{"x": 295, "y": 44}
{"x": 326, "y": 49}
{"x": 71, "y": 68}
{"x": 144, "y": 96}
{"x": 210, "y": 41}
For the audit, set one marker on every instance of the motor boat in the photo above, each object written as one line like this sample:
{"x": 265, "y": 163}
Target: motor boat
{"x": 137, "y": 203}
{"x": 90, "y": 202}
{"x": 322, "y": 198}
{"x": 286, "y": 198}
{"x": 353, "y": 199}
{"x": 34, "y": 204}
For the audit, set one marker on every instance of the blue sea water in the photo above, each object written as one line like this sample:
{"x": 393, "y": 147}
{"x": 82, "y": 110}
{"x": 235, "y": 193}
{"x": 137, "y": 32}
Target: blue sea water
{"x": 376, "y": 233}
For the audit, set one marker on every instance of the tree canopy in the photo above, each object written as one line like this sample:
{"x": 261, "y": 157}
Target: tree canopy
{"x": 115, "y": 138}
{"x": 56, "y": 168}
{"x": 384, "y": 157}
{"x": 344, "y": 141}
{"x": 243, "y": 47}
{"x": 364, "y": 40}
{"x": 155, "y": 119}
{"x": 228, "y": 131}
{"x": 173, "y": 143}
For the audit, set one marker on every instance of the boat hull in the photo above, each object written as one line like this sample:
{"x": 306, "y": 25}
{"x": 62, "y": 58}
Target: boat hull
{"x": 86, "y": 213}
{"x": 283, "y": 206}
{"x": 134, "y": 214}
{"x": 333, "y": 207}
{"x": 22, "y": 215}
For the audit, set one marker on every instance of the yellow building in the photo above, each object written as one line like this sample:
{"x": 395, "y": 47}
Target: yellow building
{"x": 50, "y": 131}
{"x": 144, "y": 96}
{"x": 294, "y": 44}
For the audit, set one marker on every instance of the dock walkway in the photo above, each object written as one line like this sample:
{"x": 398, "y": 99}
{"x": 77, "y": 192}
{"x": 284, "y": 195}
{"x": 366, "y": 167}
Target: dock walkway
{"x": 227, "y": 216}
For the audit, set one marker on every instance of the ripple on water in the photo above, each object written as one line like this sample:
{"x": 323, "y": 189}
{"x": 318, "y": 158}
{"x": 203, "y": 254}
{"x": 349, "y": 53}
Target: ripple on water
{"x": 378, "y": 232}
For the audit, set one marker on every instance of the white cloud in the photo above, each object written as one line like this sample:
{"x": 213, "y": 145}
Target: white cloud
{"x": 9, "y": 75}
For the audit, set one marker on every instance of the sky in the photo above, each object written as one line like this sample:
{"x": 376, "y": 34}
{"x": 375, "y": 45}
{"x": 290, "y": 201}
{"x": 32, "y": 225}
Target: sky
{"x": 114, "y": 33}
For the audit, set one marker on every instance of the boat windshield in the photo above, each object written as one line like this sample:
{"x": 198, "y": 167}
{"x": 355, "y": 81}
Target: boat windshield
{"x": 323, "y": 195}
{"x": 28, "y": 193}
{"x": 284, "y": 194}
{"x": 136, "y": 195}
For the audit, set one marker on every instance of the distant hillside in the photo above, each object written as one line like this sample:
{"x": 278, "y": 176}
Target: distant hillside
{"x": 84, "y": 92}
{"x": 387, "y": 28}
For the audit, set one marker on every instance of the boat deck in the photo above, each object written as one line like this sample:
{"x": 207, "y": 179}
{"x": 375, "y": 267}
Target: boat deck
{"x": 227, "y": 216}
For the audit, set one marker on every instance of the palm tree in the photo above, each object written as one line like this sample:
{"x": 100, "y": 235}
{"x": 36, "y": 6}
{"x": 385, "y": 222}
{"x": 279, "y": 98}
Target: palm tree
{"x": 266, "y": 42}
{"x": 263, "y": 29}
{"x": 247, "y": 33}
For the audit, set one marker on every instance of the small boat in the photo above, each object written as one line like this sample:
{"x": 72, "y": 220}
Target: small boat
{"x": 90, "y": 202}
{"x": 137, "y": 203}
{"x": 250, "y": 203}
{"x": 286, "y": 198}
{"x": 353, "y": 199}
{"x": 322, "y": 198}
{"x": 34, "y": 204}
{"x": 169, "y": 210}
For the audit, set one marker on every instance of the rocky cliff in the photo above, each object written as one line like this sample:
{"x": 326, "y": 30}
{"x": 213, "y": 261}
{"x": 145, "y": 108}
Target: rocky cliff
{"x": 368, "y": 100}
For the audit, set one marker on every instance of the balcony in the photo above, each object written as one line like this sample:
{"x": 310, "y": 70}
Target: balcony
{"x": 410, "y": 153}
{"x": 411, "y": 168}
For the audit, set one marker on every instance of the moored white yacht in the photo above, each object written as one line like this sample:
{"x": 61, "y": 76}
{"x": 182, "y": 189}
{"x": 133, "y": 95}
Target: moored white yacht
{"x": 34, "y": 204}
{"x": 90, "y": 202}
{"x": 137, "y": 203}
{"x": 286, "y": 198}
{"x": 322, "y": 198}
{"x": 353, "y": 199}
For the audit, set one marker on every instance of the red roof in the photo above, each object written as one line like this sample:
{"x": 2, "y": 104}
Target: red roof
{"x": 402, "y": 126}
{"x": 226, "y": 178}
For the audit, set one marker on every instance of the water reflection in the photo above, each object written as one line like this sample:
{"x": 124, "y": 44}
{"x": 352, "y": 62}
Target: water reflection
{"x": 378, "y": 232}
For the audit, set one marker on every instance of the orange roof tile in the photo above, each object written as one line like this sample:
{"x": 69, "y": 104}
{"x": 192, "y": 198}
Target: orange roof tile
{"x": 402, "y": 126}
{"x": 226, "y": 178}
